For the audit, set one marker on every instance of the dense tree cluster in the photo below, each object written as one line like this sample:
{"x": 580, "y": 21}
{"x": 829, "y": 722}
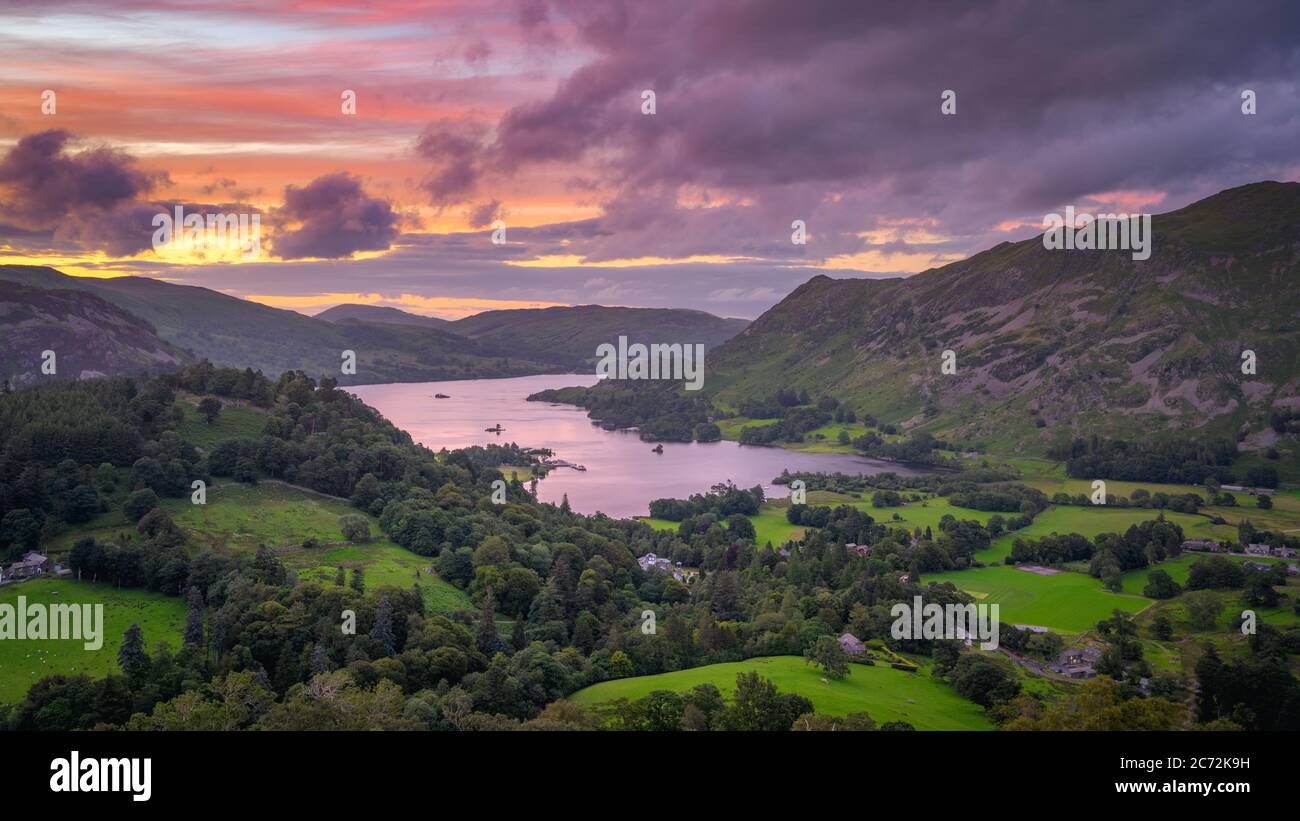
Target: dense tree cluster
{"x": 1178, "y": 461}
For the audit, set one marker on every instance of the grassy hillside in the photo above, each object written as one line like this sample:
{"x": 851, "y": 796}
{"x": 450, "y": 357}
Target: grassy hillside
{"x": 574, "y": 333}
{"x": 1085, "y": 341}
{"x": 883, "y": 692}
{"x": 377, "y": 313}
{"x": 238, "y": 333}
{"x": 239, "y": 518}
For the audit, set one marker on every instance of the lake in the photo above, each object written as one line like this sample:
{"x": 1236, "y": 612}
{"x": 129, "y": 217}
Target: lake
{"x": 623, "y": 474}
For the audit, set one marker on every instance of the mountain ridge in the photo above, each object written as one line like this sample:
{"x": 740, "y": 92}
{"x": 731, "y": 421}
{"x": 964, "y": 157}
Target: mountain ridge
{"x": 1085, "y": 340}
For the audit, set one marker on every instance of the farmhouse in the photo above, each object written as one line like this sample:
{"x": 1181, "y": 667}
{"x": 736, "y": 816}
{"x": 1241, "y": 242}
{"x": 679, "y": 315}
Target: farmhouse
{"x": 1254, "y": 491}
{"x": 852, "y": 645}
{"x": 652, "y": 562}
{"x": 1258, "y": 549}
{"x": 31, "y": 564}
{"x": 1202, "y": 545}
{"x": 1077, "y": 662}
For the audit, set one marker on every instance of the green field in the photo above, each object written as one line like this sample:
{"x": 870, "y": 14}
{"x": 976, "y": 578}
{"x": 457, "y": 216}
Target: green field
{"x": 923, "y": 514}
{"x": 770, "y": 525}
{"x": 234, "y": 422}
{"x": 1067, "y": 602}
{"x": 883, "y": 692}
{"x": 1092, "y": 521}
{"x": 162, "y": 618}
{"x": 237, "y": 518}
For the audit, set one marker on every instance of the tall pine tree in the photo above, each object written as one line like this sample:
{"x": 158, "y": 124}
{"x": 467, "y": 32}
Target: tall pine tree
{"x": 486, "y": 639}
{"x": 194, "y": 617}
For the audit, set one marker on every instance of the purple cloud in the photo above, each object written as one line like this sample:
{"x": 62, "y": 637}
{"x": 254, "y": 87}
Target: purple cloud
{"x": 332, "y": 217}
{"x": 43, "y": 184}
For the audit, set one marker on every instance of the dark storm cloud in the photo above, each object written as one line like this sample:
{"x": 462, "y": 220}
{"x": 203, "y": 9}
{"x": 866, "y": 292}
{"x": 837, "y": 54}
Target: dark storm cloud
{"x": 778, "y": 105}
{"x": 42, "y": 184}
{"x": 333, "y": 217}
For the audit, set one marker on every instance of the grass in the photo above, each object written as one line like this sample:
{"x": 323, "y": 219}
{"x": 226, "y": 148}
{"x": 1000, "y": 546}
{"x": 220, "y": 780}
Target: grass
{"x": 1067, "y": 602}
{"x": 234, "y": 422}
{"x": 22, "y": 663}
{"x": 238, "y": 518}
{"x": 883, "y": 692}
{"x": 770, "y": 525}
{"x": 1092, "y": 521}
{"x": 923, "y": 514}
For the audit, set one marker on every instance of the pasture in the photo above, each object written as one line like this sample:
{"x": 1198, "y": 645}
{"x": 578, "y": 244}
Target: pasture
{"x": 22, "y": 663}
{"x": 884, "y": 693}
{"x": 1066, "y": 602}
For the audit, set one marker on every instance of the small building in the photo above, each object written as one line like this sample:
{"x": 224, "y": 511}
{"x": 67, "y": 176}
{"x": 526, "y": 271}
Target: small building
{"x": 853, "y": 645}
{"x": 1075, "y": 663}
{"x": 30, "y": 565}
{"x": 1202, "y": 546}
{"x": 1293, "y": 569}
{"x": 1284, "y": 552}
{"x": 650, "y": 561}
{"x": 1253, "y": 491}
{"x": 1258, "y": 565}
{"x": 860, "y": 549}
{"x": 1259, "y": 550}
{"x": 1032, "y": 628}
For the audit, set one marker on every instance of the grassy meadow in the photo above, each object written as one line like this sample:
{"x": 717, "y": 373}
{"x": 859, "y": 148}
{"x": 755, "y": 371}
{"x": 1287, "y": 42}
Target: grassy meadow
{"x": 238, "y": 518}
{"x": 883, "y": 692}
{"x": 1067, "y": 602}
{"x": 22, "y": 663}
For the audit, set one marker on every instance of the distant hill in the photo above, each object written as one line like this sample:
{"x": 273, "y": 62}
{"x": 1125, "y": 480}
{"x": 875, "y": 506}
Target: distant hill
{"x": 575, "y": 332}
{"x": 88, "y": 335}
{"x": 391, "y": 345}
{"x": 377, "y": 313}
{"x": 235, "y": 332}
{"x": 1051, "y": 342}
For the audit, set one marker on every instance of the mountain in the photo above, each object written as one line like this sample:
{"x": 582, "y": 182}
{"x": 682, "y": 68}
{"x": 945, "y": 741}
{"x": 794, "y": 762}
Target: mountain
{"x": 391, "y": 345}
{"x": 376, "y": 313}
{"x": 235, "y": 332}
{"x": 88, "y": 336}
{"x": 574, "y": 333}
{"x": 1050, "y": 343}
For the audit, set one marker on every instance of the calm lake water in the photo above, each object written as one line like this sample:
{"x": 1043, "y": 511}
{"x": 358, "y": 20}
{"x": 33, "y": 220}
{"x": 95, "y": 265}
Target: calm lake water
{"x": 623, "y": 474}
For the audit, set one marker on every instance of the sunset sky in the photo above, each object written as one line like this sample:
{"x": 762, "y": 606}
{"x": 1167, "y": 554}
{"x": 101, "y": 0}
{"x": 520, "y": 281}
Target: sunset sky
{"x": 529, "y": 111}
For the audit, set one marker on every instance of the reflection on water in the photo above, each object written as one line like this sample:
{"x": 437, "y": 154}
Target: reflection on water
{"x": 623, "y": 473}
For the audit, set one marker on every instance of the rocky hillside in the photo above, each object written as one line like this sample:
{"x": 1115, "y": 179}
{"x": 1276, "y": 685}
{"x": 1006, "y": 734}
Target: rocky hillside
{"x": 1052, "y": 342}
{"x": 88, "y": 336}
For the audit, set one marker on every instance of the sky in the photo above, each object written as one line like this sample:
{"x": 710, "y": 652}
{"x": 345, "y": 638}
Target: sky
{"x": 530, "y": 116}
